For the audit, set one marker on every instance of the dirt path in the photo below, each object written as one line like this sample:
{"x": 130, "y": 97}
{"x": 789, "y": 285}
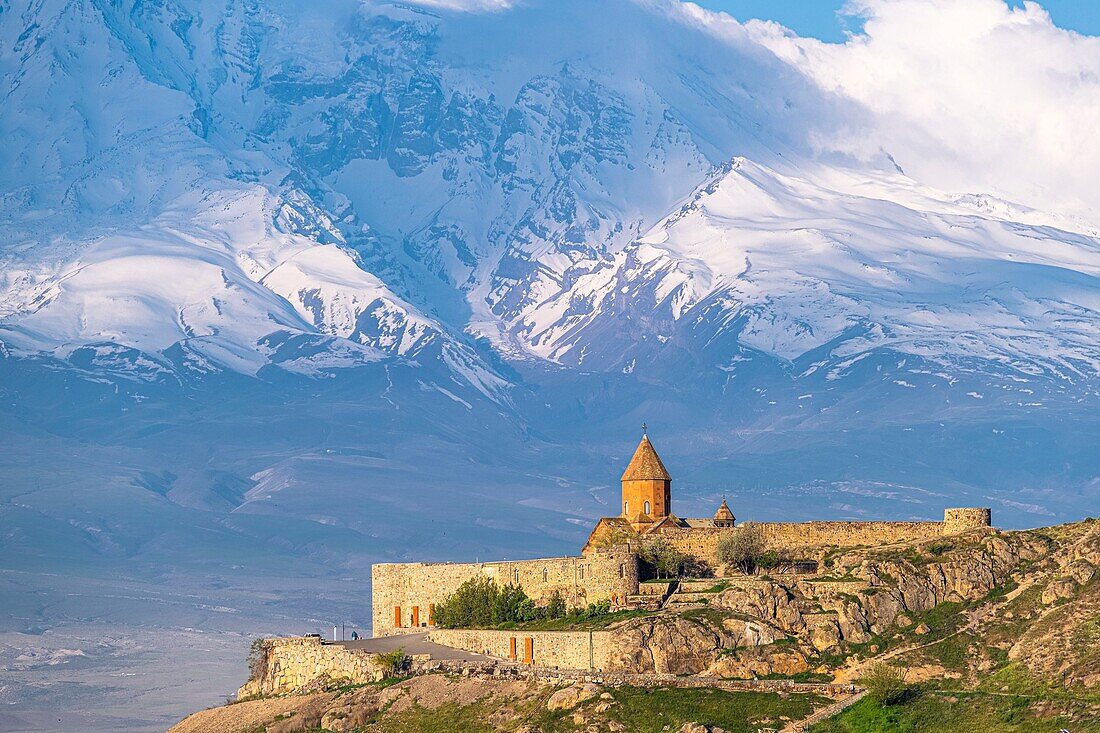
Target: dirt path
{"x": 974, "y": 618}
{"x": 824, "y": 713}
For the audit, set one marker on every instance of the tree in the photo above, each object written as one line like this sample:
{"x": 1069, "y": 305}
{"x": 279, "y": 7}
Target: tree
{"x": 742, "y": 547}
{"x": 660, "y": 555}
{"x": 480, "y": 604}
{"x": 258, "y": 655}
{"x": 555, "y": 608}
{"x": 509, "y": 604}
{"x": 886, "y": 684}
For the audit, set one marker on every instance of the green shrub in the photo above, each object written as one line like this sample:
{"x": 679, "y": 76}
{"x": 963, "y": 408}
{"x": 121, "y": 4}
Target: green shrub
{"x": 886, "y": 684}
{"x": 392, "y": 663}
{"x": 471, "y": 606}
{"x": 479, "y": 604}
{"x": 556, "y": 607}
{"x": 661, "y": 557}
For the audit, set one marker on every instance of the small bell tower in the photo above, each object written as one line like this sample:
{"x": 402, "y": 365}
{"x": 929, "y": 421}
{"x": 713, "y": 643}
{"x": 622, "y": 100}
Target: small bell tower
{"x": 647, "y": 486}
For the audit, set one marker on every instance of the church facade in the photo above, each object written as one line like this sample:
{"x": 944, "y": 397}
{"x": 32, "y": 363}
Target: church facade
{"x": 404, "y": 595}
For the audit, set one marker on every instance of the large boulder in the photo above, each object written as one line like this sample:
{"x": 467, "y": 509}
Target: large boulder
{"x": 768, "y": 601}
{"x": 570, "y": 697}
{"x": 666, "y": 644}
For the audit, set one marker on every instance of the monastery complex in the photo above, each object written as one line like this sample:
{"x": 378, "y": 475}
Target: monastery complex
{"x": 608, "y": 569}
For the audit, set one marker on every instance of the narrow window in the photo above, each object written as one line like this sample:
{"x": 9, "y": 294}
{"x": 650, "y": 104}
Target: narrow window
{"x": 626, "y": 507}
{"x": 647, "y": 507}
{"x": 622, "y": 570}
{"x": 545, "y": 575}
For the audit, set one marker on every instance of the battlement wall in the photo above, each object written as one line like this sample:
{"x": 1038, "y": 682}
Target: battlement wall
{"x": 404, "y": 595}
{"x": 702, "y": 542}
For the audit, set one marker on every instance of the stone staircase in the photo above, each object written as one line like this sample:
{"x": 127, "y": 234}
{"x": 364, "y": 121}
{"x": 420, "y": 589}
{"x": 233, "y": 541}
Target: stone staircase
{"x": 652, "y": 596}
{"x": 692, "y": 593}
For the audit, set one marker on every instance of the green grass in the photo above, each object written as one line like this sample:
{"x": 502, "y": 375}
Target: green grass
{"x": 573, "y": 623}
{"x": 638, "y": 710}
{"x": 643, "y": 710}
{"x": 446, "y": 718}
{"x": 378, "y": 685}
{"x": 958, "y": 712}
{"x": 712, "y": 617}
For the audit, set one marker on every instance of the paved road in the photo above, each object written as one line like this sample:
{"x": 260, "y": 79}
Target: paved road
{"x": 412, "y": 644}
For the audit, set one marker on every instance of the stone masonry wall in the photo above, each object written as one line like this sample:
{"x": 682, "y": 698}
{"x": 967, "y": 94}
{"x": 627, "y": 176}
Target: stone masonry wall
{"x": 702, "y": 542}
{"x": 296, "y": 662}
{"x": 962, "y": 520}
{"x": 583, "y": 650}
{"x": 403, "y": 595}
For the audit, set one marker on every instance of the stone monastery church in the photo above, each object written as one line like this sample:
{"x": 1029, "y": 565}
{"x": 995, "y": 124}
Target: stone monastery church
{"x": 404, "y": 595}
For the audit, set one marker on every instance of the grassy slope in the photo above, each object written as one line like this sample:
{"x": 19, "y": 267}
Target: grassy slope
{"x": 638, "y": 710}
{"x": 980, "y": 689}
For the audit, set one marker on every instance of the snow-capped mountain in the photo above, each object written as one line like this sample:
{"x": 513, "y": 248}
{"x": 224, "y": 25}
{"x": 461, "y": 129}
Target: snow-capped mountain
{"x": 306, "y": 285}
{"x": 632, "y": 192}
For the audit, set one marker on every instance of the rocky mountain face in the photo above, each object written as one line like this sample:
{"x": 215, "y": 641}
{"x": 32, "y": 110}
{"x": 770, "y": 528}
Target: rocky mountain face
{"x": 958, "y": 609}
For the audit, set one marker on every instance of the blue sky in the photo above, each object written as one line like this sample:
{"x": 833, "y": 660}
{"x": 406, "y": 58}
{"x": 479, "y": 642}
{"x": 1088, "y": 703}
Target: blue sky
{"x": 822, "y": 19}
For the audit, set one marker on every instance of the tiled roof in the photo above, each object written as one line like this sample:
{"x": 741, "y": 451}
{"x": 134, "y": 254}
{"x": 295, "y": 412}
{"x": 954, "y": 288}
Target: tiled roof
{"x": 646, "y": 464}
{"x": 723, "y": 513}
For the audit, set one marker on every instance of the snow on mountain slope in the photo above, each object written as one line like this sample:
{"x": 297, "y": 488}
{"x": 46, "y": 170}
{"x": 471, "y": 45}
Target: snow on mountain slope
{"x": 219, "y": 277}
{"x": 792, "y": 265}
{"x": 501, "y": 190}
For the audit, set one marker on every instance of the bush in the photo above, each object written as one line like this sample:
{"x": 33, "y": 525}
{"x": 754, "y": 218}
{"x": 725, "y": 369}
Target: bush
{"x": 479, "y": 603}
{"x": 742, "y": 547}
{"x": 258, "y": 654}
{"x": 886, "y": 684}
{"x": 392, "y": 663}
{"x": 471, "y": 606}
{"x": 512, "y": 604}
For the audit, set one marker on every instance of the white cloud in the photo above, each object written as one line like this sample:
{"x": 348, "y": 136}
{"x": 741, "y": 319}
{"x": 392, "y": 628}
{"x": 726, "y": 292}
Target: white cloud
{"x": 968, "y": 96}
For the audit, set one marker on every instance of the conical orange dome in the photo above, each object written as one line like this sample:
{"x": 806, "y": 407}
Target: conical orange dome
{"x": 646, "y": 464}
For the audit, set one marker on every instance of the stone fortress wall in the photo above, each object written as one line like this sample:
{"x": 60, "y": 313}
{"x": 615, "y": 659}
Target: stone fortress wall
{"x": 403, "y": 595}
{"x": 294, "y": 662}
{"x": 964, "y": 520}
{"x": 702, "y": 542}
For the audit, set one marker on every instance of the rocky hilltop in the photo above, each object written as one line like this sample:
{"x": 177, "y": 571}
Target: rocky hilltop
{"x": 1001, "y": 627}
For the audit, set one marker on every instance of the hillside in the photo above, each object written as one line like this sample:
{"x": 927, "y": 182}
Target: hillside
{"x": 996, "y": 627}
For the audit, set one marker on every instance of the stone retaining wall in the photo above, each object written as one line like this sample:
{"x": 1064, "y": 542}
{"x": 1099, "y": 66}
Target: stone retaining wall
{"x": 623, "y": 679}
{"x": 297, "y": 662}
{"x": 587, "y": 650}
